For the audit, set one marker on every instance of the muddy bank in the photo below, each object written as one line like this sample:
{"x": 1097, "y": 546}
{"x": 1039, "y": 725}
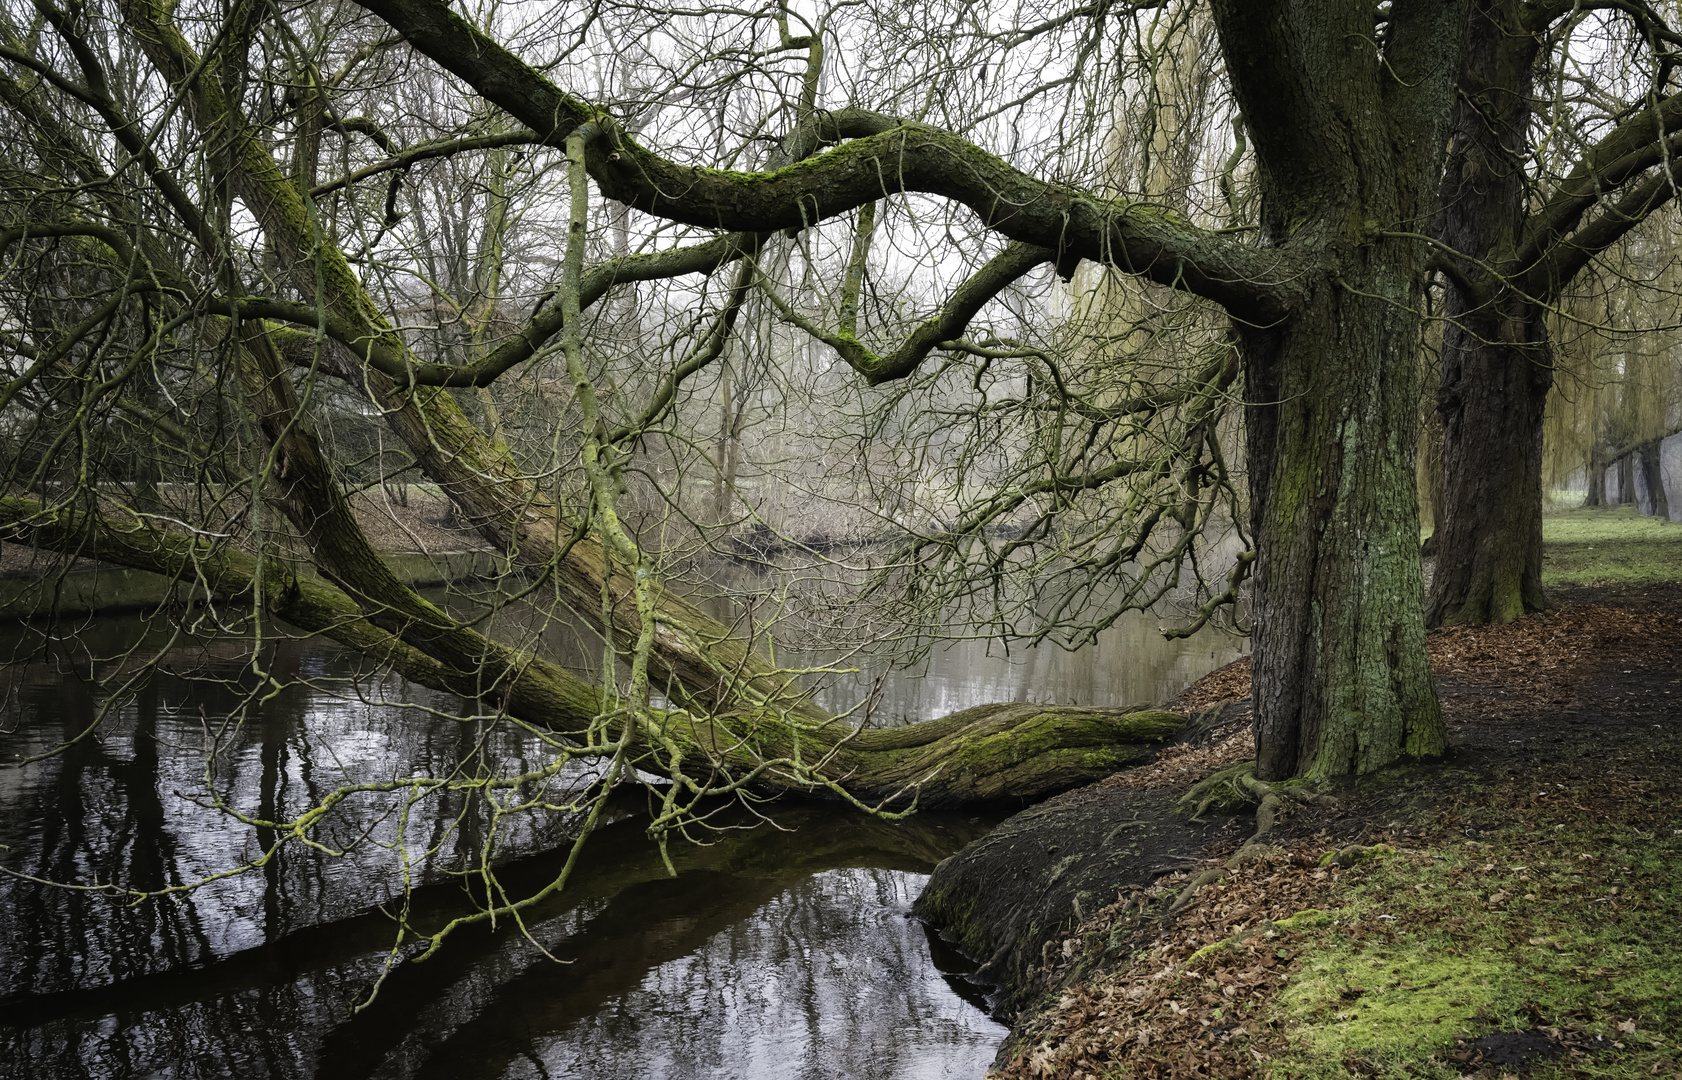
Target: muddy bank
{"x": 1009, "y": 899}
{"x": 1012, "y": 896}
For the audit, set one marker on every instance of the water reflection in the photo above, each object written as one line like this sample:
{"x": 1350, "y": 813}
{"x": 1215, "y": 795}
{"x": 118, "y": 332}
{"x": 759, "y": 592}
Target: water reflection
{"x": 777, "y": 952}
{"x": 805, "y": 1009}
{"x": 1130, "y": 664}
{"x": 774, "y": 950}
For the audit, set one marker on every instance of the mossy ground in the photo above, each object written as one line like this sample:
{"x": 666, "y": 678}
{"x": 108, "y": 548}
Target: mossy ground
{"x": 1531, "y": 898}
{"x": 1489, "y": 912}
{"x": 1616, "y": 546}
{"x": 1570, "y": 925}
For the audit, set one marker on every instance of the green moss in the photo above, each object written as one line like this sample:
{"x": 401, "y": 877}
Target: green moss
{"x": 1567, "y": 926}
{"x": 1219, "y": 791}
{"x": 1208, "y": 950}
{"x": 1355, "y": 855}
{"x": 1385, "y": 1005}
{"x": 1081, "y": 737}
{"x": 1149, "y": 725}
{"x": 1306, "y": 919}
{"x": 956, "y": 917}
{"x": 1584, "y": 547}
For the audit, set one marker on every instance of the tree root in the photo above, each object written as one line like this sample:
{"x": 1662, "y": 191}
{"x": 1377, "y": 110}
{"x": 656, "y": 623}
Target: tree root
{"x": 1233, "y": 787}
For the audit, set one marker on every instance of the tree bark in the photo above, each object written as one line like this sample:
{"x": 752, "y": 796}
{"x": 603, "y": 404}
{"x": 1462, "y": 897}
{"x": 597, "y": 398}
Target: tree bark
{"x": 1595, "y": 499}
{"x": 1341, "y": 683}
{"x": 1648, "y": 461}
{"x": 1349, "y": 154}
{"x": 1347, "y": 151}
{"x": 1496, "y": 378}
{"x": 1496, "y": 365}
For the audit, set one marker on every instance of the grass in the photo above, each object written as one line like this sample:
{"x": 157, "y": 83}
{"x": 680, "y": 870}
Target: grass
{"x": 1568, "y": 923}
{"x": 1609, "y": 547}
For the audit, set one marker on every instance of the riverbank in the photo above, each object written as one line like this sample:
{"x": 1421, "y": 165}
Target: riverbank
{"x": 1513, "y": 909}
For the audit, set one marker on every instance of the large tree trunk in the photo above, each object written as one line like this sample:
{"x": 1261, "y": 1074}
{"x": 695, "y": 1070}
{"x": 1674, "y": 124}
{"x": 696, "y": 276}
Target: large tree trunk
{"x": 1348, "y": 154}
{"x": 1001, "y": 755}
{"x": 1496, "y": 367}
{"x": 1496, "y": 378}
{"x": 1341, "y": 682}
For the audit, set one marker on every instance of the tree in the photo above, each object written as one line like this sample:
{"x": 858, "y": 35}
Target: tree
{"x": 1324, "y": 308}
{"x": 170, "y": 217}
{"x": 1342, "y": 691}
{"x": 1520, "y": 221}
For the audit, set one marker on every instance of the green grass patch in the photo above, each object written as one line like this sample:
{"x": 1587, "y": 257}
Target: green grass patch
{"x": 1609, "y": 547}
{"x": 1568, "y": 925}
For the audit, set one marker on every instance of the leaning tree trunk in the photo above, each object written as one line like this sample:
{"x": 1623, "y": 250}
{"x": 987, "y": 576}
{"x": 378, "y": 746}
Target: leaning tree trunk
{"x": 1496, "y": 367}
{"x": 999, "y": 755}
{"x": 703, "y": 663}
{"x": 765, "y": 736}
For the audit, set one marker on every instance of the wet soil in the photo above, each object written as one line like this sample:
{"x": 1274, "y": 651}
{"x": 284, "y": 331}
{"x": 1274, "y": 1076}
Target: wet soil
{"x": 1007, "y": 899}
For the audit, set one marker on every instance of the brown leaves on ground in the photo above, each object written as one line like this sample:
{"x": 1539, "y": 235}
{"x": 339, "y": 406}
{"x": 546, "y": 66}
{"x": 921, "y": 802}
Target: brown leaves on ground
{"x": 1542, "y": 646}
{"x": 1224, "y": 684}
{"x": 1183, "y": 766}
{"x": 1544, "y": 654}
{"x": 416, "y": 521}
{"x": 1175, "y": 1012}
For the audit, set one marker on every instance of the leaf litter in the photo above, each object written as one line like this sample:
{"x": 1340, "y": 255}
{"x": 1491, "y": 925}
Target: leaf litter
{"x": 1198, "y": 995}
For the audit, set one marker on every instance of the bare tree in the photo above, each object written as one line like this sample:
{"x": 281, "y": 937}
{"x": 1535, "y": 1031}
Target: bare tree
{"x": 221, "y": 213}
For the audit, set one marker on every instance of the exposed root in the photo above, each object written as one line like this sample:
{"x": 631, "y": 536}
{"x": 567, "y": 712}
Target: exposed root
{"x": 1230, "y": 788}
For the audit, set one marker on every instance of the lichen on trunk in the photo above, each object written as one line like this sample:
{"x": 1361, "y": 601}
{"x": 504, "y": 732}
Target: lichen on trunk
{"x": 1341, "y": 680}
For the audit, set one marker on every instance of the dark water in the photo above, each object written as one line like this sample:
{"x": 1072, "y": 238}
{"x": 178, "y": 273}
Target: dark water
{"x": 779, "y": 950}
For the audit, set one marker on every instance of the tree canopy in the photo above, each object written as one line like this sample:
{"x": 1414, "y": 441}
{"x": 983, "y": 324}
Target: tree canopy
{"x": 1050, "y": 296}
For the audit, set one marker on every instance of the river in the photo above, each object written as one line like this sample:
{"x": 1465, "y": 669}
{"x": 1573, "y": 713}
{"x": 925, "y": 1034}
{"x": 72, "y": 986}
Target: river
{"x": 782, "y": 950}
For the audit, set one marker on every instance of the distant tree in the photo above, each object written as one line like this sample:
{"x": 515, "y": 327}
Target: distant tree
{"x": 1540, "y": 183}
